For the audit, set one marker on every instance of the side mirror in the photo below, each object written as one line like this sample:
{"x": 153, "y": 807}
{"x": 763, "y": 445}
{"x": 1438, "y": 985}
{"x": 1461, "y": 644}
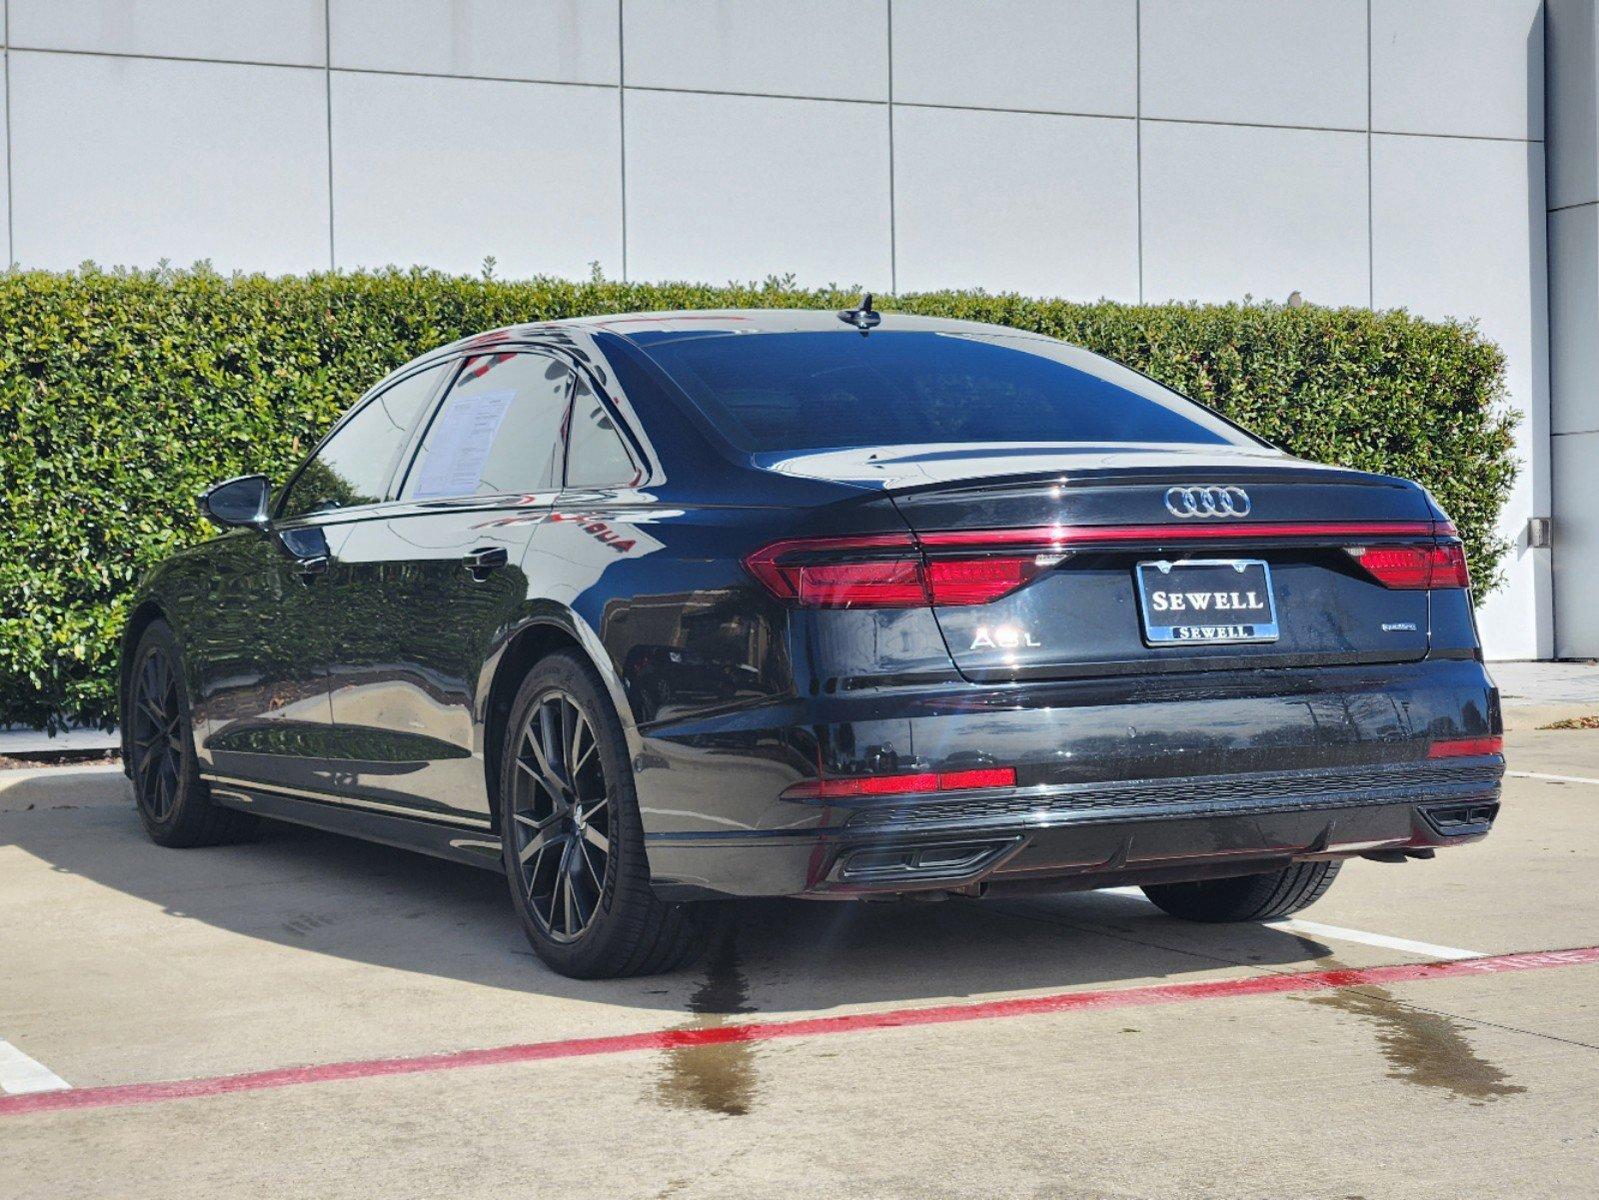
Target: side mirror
{"x": 240, "y": 501}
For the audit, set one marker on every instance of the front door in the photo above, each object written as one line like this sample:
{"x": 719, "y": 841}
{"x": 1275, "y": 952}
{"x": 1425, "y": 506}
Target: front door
{"x": 260, "y": 662}
{"x": 262, "y": 711}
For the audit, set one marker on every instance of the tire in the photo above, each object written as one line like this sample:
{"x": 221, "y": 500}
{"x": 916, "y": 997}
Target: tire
{"x": 1249, "y": 897}
{"x": 573, "y": 840}
{"x": 173, "y": 802}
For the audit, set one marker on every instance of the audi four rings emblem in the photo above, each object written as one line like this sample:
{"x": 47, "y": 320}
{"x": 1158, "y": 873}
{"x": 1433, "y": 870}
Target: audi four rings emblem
{"x": 1207, "y": 501}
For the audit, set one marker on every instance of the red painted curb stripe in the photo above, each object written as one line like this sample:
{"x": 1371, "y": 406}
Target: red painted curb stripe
{"x": 120, "y": 1095}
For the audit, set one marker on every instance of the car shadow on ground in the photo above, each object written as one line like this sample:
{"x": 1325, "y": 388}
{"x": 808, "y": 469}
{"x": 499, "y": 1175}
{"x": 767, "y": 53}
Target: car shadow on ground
{"x": 368, "y": 903}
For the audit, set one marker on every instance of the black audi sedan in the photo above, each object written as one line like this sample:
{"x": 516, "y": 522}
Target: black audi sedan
{"x": 652, "y": 610}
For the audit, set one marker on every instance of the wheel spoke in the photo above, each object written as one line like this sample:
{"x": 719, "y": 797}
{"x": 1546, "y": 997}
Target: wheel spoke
{"x": 537, "y": 843}
{"x": 568, "y": 733}
{"x": 570, "y": 904}
{"x": 540, "y": 770}
{"x": 531, "y": 769}
{"x": 597, "y": 876}
{"x": 548, "y": 740}
{"x": 151, "y": 771}
{"x": 577, "y": 889}
{"x": 533, "y": 872}
{"x": 596, "y": 839}
{"x": 535, "y": 823}
{"x": 576, "y": 756}
{"x": 568, "y": 900}
{"x": 163, "y": 679}
{"x": 165, "y": 785}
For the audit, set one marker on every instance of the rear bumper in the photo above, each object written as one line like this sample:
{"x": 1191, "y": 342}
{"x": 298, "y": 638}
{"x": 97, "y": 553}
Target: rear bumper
{"x": 1137, "y": 782}
{"x": 1060, "y": 848}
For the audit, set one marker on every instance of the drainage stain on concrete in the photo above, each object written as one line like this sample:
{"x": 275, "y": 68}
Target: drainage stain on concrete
{"x": 718, "y": 1077}
{"x": 1425, "y": 1049}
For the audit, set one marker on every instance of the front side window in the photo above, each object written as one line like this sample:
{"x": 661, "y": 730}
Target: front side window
{"x": 497, "y": 433}
{"x": 596, "y": 456}
{"x": 352, "y": 467}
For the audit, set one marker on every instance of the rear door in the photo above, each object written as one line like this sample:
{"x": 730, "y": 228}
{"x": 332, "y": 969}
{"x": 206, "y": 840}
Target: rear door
{"x": 1150, "y": 570}
{"x": 440, "y": 567}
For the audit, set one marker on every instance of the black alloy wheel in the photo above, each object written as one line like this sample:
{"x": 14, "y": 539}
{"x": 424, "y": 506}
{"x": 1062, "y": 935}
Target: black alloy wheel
{"x": 572, "y": 838}
{"x": 157, "y": 734}
{"x": 174, "y": 803}
{"x": 561, "y": 817}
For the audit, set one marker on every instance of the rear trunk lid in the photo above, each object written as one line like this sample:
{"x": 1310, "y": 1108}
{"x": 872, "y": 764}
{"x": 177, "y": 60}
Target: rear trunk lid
{"x": 1146, "y": 560}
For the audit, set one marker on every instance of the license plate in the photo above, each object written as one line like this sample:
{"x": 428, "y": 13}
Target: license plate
{"x": 1219, "y": 601}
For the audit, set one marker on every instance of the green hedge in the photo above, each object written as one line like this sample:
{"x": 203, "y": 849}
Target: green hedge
{"x": 123, "y": 394}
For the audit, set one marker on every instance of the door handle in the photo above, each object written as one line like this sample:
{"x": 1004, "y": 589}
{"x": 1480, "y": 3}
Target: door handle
{"x": 483, "y": 560}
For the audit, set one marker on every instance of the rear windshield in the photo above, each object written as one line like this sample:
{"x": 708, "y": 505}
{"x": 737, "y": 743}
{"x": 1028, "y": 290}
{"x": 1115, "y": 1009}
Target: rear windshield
{"x": 813, "y": 391}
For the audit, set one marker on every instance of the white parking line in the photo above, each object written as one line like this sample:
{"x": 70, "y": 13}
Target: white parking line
{"x": 19, "y": 1073}
{"x": 1551, "y": 778}
{"x": 1318, "y": 930}
{"x": 1339, "y": 934}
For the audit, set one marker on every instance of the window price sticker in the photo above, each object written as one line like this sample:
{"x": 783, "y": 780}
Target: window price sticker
{"x": 459, "y": 443}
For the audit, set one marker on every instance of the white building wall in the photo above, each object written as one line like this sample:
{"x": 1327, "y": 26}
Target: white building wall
{"x": 5, "y": 131}
{"x": 1573, "y": 90}
{"x": 1385, "y": 152}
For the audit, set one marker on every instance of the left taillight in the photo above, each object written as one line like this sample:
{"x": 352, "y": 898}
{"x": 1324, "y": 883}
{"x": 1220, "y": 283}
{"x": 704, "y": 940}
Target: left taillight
{"x": 1415, "y": 567}
{"x": 883, "y": 571}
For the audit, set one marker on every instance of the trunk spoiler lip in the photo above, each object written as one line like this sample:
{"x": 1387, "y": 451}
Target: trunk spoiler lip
{"x": 1281, "y": 471}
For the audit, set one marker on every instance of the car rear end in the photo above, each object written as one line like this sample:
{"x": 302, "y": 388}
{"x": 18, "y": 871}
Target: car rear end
{"x": 1058, "y": 665}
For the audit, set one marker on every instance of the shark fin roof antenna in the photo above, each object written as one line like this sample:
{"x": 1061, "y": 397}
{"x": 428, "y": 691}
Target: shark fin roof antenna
{"x": 865, "y": 318}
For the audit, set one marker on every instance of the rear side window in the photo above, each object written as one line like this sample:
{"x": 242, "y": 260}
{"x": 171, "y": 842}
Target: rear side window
{"x": 353, "y": 466}
{"x": 811, "y": 391}
{"x": 596, "y": 455}
{"x": 497, "y": 433}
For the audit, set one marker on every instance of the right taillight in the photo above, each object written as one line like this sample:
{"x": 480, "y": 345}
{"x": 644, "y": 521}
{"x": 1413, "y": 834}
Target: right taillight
{"x": 1415, "y": 567}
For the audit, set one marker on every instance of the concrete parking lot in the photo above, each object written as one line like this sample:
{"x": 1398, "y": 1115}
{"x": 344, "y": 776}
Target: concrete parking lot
{"x": 310, "y": 1016}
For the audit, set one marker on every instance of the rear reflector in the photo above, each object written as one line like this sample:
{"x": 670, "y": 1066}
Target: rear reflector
{"x": 1415, "y": 568}
{"x": 1472, "y": 747}
{"x": 893, "y": 785}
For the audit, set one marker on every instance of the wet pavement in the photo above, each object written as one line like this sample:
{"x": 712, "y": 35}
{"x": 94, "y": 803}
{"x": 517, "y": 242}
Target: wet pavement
{"x": 1057, "y": 1047}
